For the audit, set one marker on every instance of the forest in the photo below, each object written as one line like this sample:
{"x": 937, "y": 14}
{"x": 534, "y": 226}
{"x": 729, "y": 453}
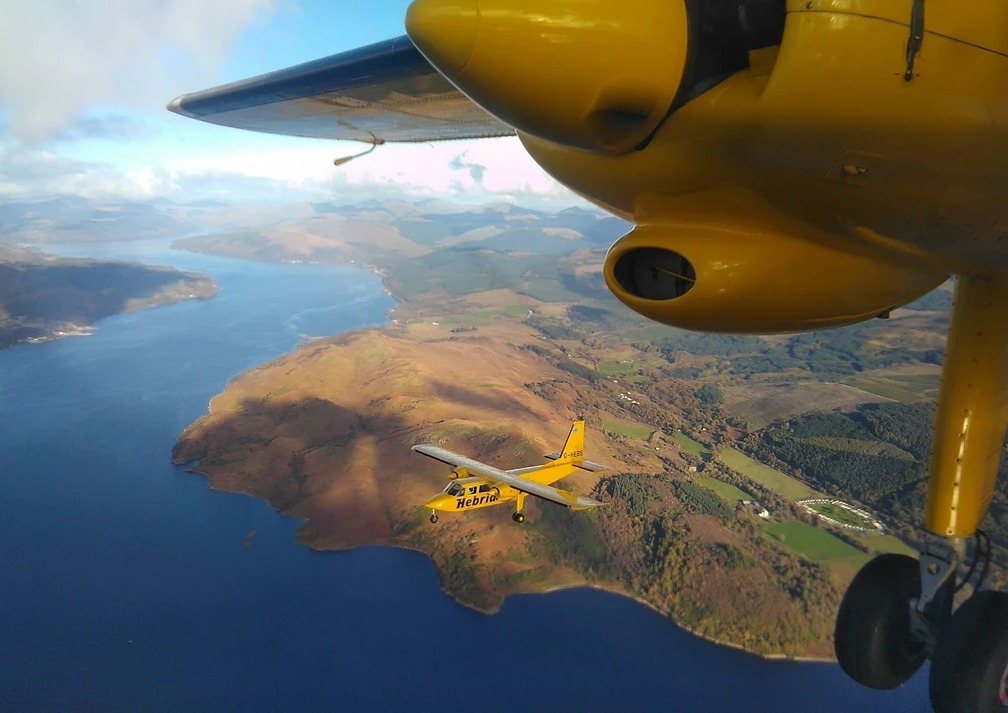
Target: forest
{"x": 840, "y": 453}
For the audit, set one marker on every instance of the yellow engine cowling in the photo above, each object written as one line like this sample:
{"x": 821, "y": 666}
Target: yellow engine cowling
{"x": 458, "y": 473}
{"x": 599, "y": 75}
{"x": 714, "y": 279}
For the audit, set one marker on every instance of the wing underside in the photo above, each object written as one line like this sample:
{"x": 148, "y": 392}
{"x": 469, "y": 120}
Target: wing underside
{"x": 561, "y": 497}
{"x": 383, "y": 92}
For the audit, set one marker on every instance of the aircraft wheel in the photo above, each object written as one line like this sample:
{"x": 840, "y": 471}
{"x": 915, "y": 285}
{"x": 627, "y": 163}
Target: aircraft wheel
{"x": 873, "y": 640}
{"x": 433, "y": 518}
{"x": 970, "y": 667}
{"x": 518, "y": 517}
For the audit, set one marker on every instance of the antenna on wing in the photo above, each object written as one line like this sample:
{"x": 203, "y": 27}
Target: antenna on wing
{"x": 375, "y": 143}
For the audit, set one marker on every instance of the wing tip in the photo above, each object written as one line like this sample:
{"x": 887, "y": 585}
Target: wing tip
{"x": 175, "y": 106}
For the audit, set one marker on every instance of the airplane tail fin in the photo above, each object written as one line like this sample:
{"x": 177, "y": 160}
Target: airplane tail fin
{"x": 573, "y": 450}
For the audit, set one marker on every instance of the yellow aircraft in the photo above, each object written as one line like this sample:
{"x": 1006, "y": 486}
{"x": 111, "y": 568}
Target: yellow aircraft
{"x": 477, "y": 485}
{"x": 789, "y": 165}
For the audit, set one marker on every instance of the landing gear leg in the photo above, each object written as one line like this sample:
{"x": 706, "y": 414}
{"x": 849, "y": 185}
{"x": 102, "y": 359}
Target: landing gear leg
{"x": 969, "y": 670}
{"x": 518, "y": 516}
{"x": 898, "y": 611}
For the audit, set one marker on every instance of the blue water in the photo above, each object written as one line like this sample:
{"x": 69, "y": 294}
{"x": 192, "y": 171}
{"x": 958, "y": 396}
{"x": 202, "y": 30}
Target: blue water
{"x": 125, "y": 585}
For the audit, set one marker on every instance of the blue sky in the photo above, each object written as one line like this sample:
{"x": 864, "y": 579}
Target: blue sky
{"x": 84, "y": 112}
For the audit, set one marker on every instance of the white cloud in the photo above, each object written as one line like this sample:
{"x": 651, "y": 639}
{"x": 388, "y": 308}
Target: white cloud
{"x": 83, "y": 96}
{"x": 271, "y": 172}
{"x": 505, "y": 172}
{"x": 471, "y": 171}
{"x": 62, "y": 56}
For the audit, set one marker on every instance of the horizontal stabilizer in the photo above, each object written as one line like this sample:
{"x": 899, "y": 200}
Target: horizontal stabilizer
{"x": 584, "y": 465}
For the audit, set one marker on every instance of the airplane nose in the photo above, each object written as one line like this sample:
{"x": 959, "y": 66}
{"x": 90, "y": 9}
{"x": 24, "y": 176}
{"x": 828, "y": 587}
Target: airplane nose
{"x": 444, "y": 31}
{"x": 435, "y": 503}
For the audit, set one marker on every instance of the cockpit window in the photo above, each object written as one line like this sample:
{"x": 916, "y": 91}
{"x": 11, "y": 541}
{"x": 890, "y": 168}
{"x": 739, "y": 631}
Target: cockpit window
{"x": 454, "y": 489}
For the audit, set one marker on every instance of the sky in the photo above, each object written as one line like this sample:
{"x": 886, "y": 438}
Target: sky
{"x": 83, "y": 94}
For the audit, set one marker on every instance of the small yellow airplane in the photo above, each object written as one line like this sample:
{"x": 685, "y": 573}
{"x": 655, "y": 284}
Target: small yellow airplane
{"x": 477, "y": 485}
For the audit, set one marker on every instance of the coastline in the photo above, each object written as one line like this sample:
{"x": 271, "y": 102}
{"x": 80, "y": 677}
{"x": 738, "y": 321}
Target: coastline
{"x": 398, "y": 367}
{"x": 67, "y": 297}
{"x": 609, "y": 588}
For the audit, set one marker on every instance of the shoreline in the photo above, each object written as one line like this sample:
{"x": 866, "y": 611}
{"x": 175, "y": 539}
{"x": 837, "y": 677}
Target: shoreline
{"x": 614, "y": 589}
{"x": 611, "y": 588}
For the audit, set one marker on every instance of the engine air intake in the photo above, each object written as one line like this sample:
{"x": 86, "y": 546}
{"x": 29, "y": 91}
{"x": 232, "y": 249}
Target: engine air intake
{"x": 654, "y": 273}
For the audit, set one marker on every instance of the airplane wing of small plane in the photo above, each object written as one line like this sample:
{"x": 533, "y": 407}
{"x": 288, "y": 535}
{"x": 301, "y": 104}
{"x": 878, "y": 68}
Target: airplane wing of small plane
{"x": 383, "y": 92}
{"x": 496, "y": 475}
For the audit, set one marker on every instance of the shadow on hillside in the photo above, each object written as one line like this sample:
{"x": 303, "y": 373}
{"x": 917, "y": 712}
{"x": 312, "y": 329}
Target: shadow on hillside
{"x": 80, "y": 293}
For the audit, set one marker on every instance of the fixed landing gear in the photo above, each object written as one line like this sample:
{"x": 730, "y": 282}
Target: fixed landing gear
{"x": 874, "y": 639}
{"x": 879, "y": 645}
{"x": 898, "y": 611}
{"x": 519, "y": 505}
{"x": 433, "y": 517}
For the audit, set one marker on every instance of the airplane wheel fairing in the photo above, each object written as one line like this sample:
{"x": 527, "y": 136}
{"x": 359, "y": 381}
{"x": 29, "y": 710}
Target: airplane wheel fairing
{"x": 969, "y": 672}
{"x": 873, "y": 639}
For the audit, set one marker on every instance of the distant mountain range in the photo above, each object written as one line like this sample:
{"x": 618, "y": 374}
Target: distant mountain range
{"x": 429, "y": 224}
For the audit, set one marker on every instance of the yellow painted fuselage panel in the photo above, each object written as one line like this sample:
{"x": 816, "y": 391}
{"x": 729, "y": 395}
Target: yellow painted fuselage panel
{"x": 472, "y": 494}
{"x": 830, "y": 134}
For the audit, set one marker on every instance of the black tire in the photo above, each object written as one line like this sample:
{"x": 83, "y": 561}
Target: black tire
{"x": 969, "y": 672}
{"x": 433, "y": 519}
{"x": 518, "y": 517}
{"x": 873, "y": 640}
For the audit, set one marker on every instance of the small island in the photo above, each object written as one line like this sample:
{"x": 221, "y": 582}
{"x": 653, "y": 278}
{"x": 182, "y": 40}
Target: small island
{"x": 43, "y": 298}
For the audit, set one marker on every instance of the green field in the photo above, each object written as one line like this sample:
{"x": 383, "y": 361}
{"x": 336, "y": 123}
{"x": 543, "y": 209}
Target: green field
{"x": 813, "y": 543}
{"x": 690, "y": 446}
{"x": 482, "y": 317}
{"x": 770, "y": 478}
{"x": 899, "y": 387}
{"x": 841, "y": 515}
{"x": 546, "y": 290}
{"x": 727, "y": 492}
{"x": 622, "y": 428}
{"x": 616, "y": 368}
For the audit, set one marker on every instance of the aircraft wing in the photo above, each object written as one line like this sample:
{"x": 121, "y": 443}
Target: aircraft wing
{"x": 496, "y": 475}
{"x": 383, "y": 92}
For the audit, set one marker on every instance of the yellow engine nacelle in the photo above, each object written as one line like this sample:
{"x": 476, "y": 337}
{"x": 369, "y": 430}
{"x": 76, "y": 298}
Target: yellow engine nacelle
{"x": 593, "y": 74}
{"x": 458, "y": 473}
{"x": 717, "y": 279}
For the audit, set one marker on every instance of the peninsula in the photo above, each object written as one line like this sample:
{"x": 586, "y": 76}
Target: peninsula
{"x": 44, "y": 297}
{"x": 492, "y": 354}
